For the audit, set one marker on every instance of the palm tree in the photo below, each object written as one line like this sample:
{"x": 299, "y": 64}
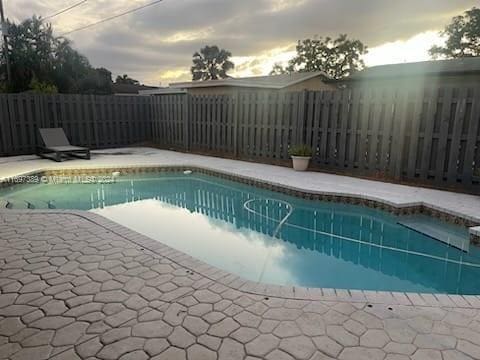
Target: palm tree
{"x": 211, "y": 63}
{"x": 125, "y": 79}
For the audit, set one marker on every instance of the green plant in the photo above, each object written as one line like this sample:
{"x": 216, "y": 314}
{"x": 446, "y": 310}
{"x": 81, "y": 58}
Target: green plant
{"x": 42, "y": 87}
{"x": 300, "y": 150}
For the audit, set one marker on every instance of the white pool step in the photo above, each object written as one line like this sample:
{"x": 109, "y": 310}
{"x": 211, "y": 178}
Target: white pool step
{"x": 444, "y": 233}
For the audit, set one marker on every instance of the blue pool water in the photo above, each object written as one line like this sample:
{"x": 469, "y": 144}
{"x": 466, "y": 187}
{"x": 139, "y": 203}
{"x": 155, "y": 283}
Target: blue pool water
{"x": 270, "y": 237}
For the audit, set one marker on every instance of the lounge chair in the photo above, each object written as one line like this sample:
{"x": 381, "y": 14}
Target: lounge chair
{"x": 57, "y": 143}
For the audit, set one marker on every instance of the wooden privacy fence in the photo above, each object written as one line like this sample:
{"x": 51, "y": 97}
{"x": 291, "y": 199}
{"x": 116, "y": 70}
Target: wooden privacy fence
{"x": 88, "y": 120}
{"x": 426, "y": 135}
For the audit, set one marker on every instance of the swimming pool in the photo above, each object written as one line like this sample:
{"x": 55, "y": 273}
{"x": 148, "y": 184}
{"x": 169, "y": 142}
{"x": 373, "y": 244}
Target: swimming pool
{"x": 270, "y": 237}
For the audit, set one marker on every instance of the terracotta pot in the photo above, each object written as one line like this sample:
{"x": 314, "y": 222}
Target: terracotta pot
{"x": 300, "y": 163}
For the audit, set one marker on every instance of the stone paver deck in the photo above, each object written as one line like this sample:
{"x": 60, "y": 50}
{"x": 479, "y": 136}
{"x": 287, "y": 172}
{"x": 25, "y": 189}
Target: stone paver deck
{"x": 76, "y": 286}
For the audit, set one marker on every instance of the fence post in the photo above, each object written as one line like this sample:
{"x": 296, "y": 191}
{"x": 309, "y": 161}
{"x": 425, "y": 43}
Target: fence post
{"x": 236, "y": 104}
{"x": 186, "y": 121}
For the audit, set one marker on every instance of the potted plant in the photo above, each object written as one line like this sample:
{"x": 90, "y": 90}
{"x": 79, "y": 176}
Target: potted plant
{"x": 301, "y": 155}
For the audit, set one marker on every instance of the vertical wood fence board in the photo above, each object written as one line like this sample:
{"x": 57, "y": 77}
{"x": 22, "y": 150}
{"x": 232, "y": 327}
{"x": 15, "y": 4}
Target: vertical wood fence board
{"x": 364, "y": 118}
{"x": 443, "y": 135}
{"x": 473, "y": 131}
{"x": 333, "y": 128}
{"x": 388, "y": 134}
{"x": 456, "y": 135}
{"x": 355, "y": 123}
{"x": 399, "y": 131}
{"x": 432, "y": 113}
{"x": 285, "y": 120}
{"x": 344, "y": 116}
{"x": 5, "y": 130}
{"x": 418, "y": 103}
{"x": 323, "y": 126}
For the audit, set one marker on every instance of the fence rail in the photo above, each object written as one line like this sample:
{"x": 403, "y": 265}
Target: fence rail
{"x": 429, "y": 135}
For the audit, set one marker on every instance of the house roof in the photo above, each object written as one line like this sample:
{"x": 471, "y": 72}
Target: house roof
{"x": 267, "y": 82}
{"x": 424, "y": 68}
{"x": 130, "y": 88}
{"x": 163, "y": 91}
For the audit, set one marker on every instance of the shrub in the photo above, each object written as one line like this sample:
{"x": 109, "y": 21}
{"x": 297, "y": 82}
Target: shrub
{"x": 42, "y": 87}
{"x": 300, "y": 150}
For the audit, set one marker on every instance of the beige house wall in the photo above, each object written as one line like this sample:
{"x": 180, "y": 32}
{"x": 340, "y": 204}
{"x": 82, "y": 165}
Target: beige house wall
{"x": 314, "y": 84}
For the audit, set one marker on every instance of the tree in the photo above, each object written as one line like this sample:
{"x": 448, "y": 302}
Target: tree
{"x": 278, "y": 69}
{"x": 463, "y": 37}
{"x": 337, "y": 58}
{"x": 31, "y": 52}
{"x": 71, "y": 67}
{"x": 211, "y": 63}
{"x": 42, "y": 87}
{"x": 125, "y": 79}
{"x": 98, "y": 81}
{"x": 41, "y": 61}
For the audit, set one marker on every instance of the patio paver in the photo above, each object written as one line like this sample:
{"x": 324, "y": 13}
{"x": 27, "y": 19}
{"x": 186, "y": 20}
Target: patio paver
{"x": 73, "y": 288}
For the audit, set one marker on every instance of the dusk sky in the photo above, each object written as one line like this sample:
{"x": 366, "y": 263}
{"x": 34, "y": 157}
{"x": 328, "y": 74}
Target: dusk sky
{"x": 155, "y": 45}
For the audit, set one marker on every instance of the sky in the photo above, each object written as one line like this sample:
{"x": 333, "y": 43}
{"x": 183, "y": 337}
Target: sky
{"x": 155, "y": 45}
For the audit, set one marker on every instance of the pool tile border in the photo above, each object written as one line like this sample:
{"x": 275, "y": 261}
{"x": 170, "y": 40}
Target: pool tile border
{"x": 234, "y": 282}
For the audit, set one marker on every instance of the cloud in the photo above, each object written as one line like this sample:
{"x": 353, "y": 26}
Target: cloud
{"x": 156, "y": 44}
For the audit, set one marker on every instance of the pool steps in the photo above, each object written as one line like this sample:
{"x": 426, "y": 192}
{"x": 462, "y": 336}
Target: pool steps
{"x": 439, "y": 233}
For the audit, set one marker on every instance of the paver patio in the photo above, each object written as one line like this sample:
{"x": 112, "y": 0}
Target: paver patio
{"x": 76, "y": 286}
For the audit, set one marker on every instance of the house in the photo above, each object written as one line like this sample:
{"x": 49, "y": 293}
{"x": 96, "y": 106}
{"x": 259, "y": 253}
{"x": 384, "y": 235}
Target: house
{"x": 283, "y": 82}
{"x": 130, "y": 89}
{"x": 455, "y": 72}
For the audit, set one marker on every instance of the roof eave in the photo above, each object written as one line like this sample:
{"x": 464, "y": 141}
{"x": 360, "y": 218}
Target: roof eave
{"x": 243, "y": 83}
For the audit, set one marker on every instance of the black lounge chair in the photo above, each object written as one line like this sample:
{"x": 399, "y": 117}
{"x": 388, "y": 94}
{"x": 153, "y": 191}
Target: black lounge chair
{"x": 56, "y": 143}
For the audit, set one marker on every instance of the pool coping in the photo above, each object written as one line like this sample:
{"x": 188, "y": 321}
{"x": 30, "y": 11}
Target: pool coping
{"x": 375, "y": 202}
{"x": 236, "y": 282}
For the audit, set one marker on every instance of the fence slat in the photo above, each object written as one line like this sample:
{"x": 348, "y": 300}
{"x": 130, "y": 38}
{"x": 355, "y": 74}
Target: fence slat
{"x": 399, "y": 131}
{"x": 442, "y": 140}
{"x": 355, "y": 113}
{"x": 373, "y": 144}
{"x": 388, "y": 135}
{"x": 5, "y": 128}
{"x": 323, "y": 125}
{"x": 473, "y": 130}
{"x": 344, "y": 116}
{"x": 456, "y": 135}
{"x": 363, "y": 128}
